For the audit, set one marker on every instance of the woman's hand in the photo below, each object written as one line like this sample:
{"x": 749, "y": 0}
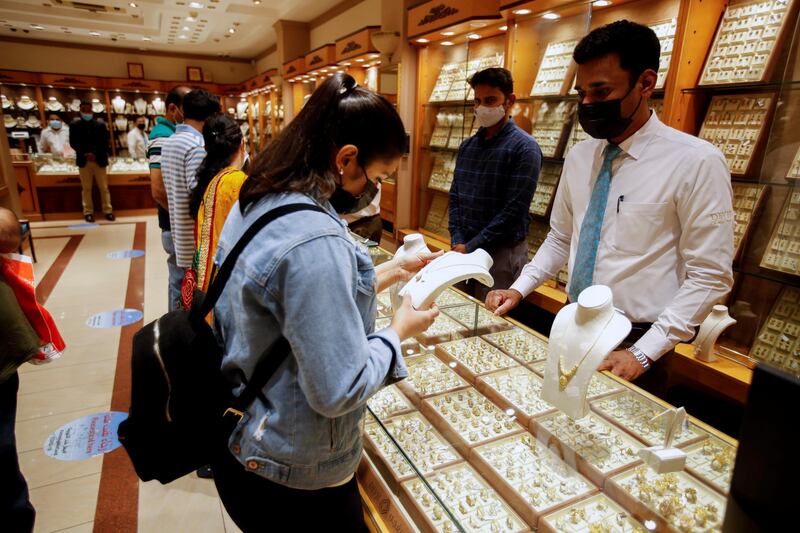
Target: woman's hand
{"x": 402, "y": 269}
{"x": 408, "y": 322}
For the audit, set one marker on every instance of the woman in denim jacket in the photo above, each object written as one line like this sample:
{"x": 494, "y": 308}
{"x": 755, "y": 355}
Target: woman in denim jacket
{"x": 293, "y": 454}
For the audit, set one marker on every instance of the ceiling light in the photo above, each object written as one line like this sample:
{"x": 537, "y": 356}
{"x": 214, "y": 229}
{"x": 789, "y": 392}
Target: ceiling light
{"x": 257, "y": 2}
{"x": 477, "y": 24}
{"x": 448, "y": 33}
{"x": 37, "y": 26}
{"x": 146, "y": 39}
{"x": 447, "y": 43}
{"x": 196, "y": 5}
{"x": 522, "y": 11}
{"x": 503, "y": 28}
{"x": 181, "y": 37}
{"x": 423, "y": 40}
{"x": 601, "y": 3}
{"x": 231, "y": 30}
{"x": 132, "y": 4}
{"x": 186, "y": 28}
{"x": 473, "y": 36}
{"x": 94, "y": 33}
{"x": 551, "y": 16}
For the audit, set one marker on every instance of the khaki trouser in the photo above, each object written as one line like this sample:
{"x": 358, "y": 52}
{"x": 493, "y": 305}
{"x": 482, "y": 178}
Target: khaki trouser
{"x": 92, "y": 171}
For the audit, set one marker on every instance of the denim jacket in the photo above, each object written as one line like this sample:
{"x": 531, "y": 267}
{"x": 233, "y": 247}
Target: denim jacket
{"x": 305, "y": 278}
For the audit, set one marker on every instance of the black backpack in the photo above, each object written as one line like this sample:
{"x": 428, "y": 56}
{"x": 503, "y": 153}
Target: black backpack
{"x": 182, "y": 408}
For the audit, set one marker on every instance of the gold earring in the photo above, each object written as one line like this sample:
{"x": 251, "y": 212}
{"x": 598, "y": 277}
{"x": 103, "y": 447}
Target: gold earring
{"x": 341, "y": 172}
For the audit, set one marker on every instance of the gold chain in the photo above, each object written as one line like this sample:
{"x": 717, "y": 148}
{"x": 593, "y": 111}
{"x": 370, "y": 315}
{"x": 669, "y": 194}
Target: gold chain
{"x": 564, "y": 377}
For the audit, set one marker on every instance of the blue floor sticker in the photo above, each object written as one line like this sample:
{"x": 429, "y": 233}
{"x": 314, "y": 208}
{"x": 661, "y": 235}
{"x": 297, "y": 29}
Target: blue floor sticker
{"x": 85, "y": 437}
{"x": 124, "y": 254}
{"x": 86, "y": 225}
{"x": 114, "y": 319}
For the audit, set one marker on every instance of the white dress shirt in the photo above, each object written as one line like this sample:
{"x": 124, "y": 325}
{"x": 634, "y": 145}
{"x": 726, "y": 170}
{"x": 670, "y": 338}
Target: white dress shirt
{"x": 666, "y": 245}
{"x": 137, "y": 144}
{"x": 56, "y": 142}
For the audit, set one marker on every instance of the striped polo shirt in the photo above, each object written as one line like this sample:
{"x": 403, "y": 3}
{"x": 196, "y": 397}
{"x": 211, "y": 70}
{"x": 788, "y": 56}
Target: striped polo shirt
{"x": 163, "y": 129}
{"x": 181, "y": 155}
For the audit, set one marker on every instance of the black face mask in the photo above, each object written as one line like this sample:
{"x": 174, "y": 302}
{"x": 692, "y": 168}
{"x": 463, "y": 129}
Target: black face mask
{"x": 604, "y": 120}
{"x": 344, "y": 202}
{"x": 140, "y": 126}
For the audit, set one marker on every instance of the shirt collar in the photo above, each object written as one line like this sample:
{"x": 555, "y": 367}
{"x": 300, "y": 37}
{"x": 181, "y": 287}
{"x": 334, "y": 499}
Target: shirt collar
{"x": 185, "y": 128}
{"x": 505, "y": 130}
{"x": 164, "y": 122}
{"x": 636, "y": 143}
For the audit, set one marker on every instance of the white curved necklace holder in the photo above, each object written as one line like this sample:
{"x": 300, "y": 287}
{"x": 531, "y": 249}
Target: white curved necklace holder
{"x": 712, "y": 327}
{"x": 584, "y": 333}
{"x": 412, "y": 244}
{"x": 445, "y": 271}
{"x": 665, "y": 459}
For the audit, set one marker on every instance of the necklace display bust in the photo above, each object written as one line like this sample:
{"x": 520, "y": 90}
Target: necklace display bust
{"x": 412, "y": 244}
{"x": 445, "y": 271}
{"x": 712, "y": 327}
{"x": 583, "y": 333}
{"x": 118, "y": 103}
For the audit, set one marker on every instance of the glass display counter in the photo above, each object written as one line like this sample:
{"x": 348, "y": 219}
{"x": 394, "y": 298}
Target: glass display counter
{"x": 466, "y": 442}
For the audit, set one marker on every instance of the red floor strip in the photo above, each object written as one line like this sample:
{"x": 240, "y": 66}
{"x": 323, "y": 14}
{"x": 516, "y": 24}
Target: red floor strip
{"x": 118, "y": 498}
{"x": 50, "y": 279}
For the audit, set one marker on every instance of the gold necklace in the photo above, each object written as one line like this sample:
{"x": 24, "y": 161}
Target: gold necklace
{"x": 564, "y": 377}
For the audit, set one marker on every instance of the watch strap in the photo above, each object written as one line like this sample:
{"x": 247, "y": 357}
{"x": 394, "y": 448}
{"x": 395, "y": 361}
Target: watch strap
{"x": 640, "y": 356}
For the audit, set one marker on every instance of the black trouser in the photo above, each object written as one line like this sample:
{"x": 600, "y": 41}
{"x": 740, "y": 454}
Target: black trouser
{"x": 258, "y": 505}
{"x": 16, "y": 512}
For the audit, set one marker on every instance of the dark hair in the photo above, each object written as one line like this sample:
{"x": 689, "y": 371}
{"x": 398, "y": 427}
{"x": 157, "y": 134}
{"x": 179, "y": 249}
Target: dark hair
{"x": 636, "y": 45}
{"x": 338, "y": 113}
{"x": 175, "y": 95}
{"x": 497, "y": 77}
{"x": 199, "y": 104}
{"x": 53, "y": 113}
{"x": 222, "y": 138}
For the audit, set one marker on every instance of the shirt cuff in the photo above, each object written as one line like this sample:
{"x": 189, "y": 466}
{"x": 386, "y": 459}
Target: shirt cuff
{"x": 524, "y": 285}
{"x": 474, "y": 244}
{"x": 654, "y": 344}
{"x": 397, "y": 368}
{"x": 456, "y": 238}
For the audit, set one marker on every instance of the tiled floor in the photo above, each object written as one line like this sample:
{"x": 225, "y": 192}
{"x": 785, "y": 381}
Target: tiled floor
{"x": 65, "y": 494}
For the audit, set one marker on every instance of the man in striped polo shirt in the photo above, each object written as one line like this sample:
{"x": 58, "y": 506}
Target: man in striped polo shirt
{"x": 164, "y": 128}
{"x": 181, "y": 155}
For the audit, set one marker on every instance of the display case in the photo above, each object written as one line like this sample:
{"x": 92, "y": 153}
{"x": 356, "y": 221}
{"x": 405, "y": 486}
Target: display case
{"x": 467, "y": 443}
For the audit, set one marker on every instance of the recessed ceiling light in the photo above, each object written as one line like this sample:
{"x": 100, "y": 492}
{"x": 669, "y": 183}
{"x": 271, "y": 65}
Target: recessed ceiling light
{"x": 94, "y": 33}
{"x": 551, "y": 16}
{"x": 190, "y": 18}
{"x": 132, "y": 4}
{"x": 447, "y": 43}
{"x": 359, "y": 60}
{"x": 473, "y": 36}
{"x": 257, "y": 2}
{"x": 477, "y": 24}
{"x": 146, "y": 39}
{"x": 196, "y": 5}
{"x": 522, "y": 11}
{"x": 503, "y": 28}
{"x": 423, "y": 40}
{"x": 186, "y": 28}
{"x": 181, "y": 37}
{"x": 231, "y": 30}
{"x": 448, "y": 33}
{"x": 37, "y": 26}
{"x": 601, "y": 3}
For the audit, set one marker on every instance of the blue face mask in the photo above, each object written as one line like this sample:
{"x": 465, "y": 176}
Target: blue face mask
{"x": 55, "y": 124}
{"x": 87, "y": 116}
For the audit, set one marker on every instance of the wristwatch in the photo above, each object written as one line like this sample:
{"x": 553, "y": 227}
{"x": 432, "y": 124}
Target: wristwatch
{"x": 640, "y": 356}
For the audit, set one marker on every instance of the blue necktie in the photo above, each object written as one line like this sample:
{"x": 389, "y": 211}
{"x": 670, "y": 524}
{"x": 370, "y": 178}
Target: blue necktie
{"x": 589, "y": 239}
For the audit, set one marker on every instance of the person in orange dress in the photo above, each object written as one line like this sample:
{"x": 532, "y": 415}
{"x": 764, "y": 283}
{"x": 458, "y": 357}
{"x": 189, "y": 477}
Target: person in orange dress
{"x": 219, "y": 180}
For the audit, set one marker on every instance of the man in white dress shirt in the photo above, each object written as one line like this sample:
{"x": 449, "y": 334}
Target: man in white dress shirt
{"x": 55, "y": 138}
{"x": 642, "y": 208}
{"x": 137, "y": 140}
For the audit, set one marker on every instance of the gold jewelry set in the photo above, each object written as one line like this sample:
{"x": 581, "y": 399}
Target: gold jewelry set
{"x": 465, "y": 314}
{"x": 520, "y": 387}
{"x": 636, "y": 414}
{"x": 598, "y": 514}
{"x": 429, "y": 376}
{"x": 519, "y": 344}
{"x": 472, "y": 416}
{"x": 388, "y": 402}
{"x": 477, "y": 355}
{"x": 565, "y": 376}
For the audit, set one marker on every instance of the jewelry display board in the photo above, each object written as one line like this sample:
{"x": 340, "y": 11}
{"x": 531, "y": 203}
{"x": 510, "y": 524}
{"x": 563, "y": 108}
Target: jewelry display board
{"x": 545, "y": 189}
{"x": 443, "y": 329}
{"x": 712, "y": 461}
{"x": 665, "y": 31}
{"x": 519, "y": 344}
{"x": 783, "y": 251}
{"x": 444, "y": 165}
{"x": 551, "y": 125}
{"x": 478, "y": 319}
{"x": 778, "y": 341}
{"x": 747, "y": 201}
{"x": 388, "y": 402}
{"x": 746, "y": 42}
{"x": 736, "y": 124}
{"x": 556, "y": 70}
{"x": 473, "y": 357}
{"x": 794, "y": 170}
{"x": 451, "y": 84}
{"x": 429, "y": 376}
{"x": 438, "y": 217}
{"x": 592, "y": 515}
{"x": 518, "y": 391}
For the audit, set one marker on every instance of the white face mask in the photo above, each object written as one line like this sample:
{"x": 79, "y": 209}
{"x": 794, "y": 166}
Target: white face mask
{"x": 489, "y": 116}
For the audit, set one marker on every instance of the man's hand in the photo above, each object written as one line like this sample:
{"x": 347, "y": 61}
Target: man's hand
{"x": 460, "y": 248}
{"x": 502, "y": 301}
{"x": 622, "y": 363}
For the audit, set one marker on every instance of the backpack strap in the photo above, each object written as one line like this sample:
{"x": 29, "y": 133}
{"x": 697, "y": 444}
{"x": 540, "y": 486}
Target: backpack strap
{"x": 224, "y": 273}
{"x": 267, "y": 364}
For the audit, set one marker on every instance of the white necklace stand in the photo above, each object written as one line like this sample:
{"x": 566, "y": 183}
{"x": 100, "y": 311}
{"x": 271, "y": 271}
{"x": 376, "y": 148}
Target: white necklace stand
{"x": 583, "y": 333}
{"x": 412, "y": 244}
{"x": 665, "y": 459}
{"x": 712, "y": 327}
{"x": 445, "y": 271}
